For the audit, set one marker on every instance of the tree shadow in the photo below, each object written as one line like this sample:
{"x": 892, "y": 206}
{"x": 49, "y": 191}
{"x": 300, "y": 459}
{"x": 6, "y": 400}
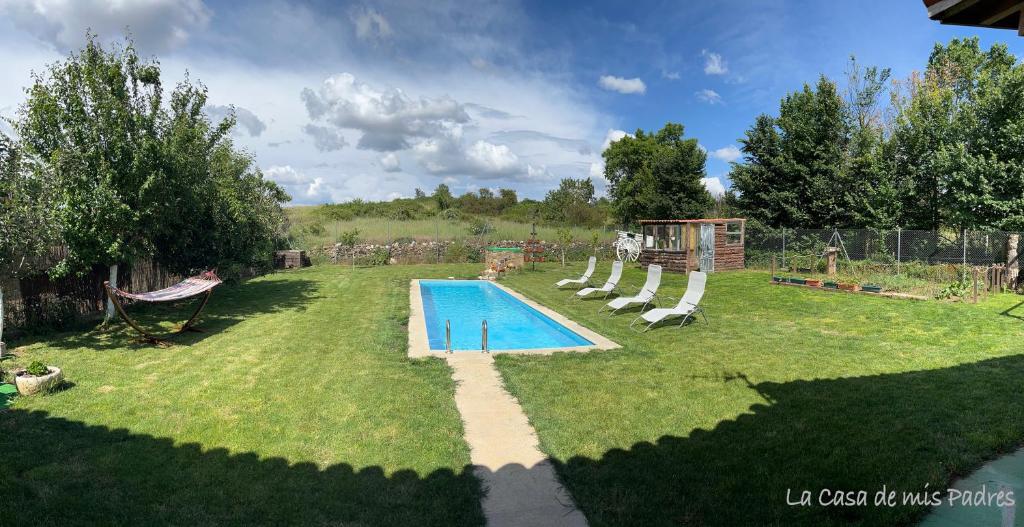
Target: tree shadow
{"x": 59, "y": 472}
{"x": 1009, "y": 312}
{"x": 229, "y": 305}
{"x": 904, "y": 431}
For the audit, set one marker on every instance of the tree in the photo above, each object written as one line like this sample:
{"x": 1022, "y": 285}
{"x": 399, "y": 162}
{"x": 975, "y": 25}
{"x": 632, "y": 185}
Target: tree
{"x": 656, "y": 175}
{"x": 443, "y": 197}
{"x": 27, "y": 230}
{"x": 795, "y": 171}
{"x": 419, "y": 194}
{"x": 572, "y": 203}
{"x": 94, "y": 119}
{"x": 565, "y": 238}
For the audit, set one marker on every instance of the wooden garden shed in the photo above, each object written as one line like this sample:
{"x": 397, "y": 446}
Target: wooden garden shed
{"x": 694, "y": 245}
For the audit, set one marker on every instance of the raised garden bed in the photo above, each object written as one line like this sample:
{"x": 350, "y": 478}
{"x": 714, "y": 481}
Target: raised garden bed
{"x": 849, "y": 287}
{"x": 813, "y": 282}
{"x": 797, "y": 281}
{"x": 869, "y": 288}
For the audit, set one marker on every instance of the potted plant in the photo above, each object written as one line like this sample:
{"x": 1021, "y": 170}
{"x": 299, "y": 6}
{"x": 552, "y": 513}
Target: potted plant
{"x": 813, "y": 282}
{"x": 871, "y": 288}
{"x": 37, "y": 378}
{"x": 849, "y": 287}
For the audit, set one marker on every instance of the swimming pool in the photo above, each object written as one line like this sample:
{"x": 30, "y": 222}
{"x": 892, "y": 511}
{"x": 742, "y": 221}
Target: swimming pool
{"x": 511, "y": 323}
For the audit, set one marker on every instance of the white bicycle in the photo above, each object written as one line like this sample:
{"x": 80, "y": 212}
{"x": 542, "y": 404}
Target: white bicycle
{"x": 627, "y": 246}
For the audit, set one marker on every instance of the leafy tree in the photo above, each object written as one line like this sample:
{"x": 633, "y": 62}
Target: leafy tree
{"x": 94, "y": 118}
{"x": 656, "y": 175}
{"x": 572, "y": 203}
{"x": 565, "y": 238}
{"x": 419, "y": 194}
{"x": 27, "y": 229}
{"x": 507, "y": 198}
{"x": 443, "y": 197}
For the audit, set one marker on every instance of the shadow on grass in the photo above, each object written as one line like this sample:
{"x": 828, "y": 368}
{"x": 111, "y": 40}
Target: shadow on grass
{"x": 61, "y": 472}
{"x": 228, "y": 306}
{"x": 900, "y": 430}
{"x": 1014, "y": 311}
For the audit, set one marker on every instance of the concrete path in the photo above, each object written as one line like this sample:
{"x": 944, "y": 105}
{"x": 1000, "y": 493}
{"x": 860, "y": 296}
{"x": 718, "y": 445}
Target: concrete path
{"x": 522, "y": 488}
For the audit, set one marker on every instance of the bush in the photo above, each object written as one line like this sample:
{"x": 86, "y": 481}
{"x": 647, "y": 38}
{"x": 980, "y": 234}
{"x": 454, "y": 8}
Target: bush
{"x": 480, "y": 227}
{"x": 460, "y": 252}
{"x": 379, "y": 256}
{"x": 37, "y": 369}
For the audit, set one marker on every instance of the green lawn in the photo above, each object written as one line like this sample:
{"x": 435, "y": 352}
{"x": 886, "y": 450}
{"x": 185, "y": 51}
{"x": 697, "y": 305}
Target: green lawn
{"x": 788, "y": 388}
{"x": 298, "y": 406}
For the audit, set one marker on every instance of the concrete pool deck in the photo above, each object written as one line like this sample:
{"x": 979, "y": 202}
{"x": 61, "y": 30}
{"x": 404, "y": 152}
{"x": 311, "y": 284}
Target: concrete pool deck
{"x": 419, "y": 344}
{"x": 522, "y": 488}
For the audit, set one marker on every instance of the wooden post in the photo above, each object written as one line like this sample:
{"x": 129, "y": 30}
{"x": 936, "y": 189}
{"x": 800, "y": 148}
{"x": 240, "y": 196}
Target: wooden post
{"x": 831, "y": 253}
{"x": 1012, "y": 264}
{"x": 974, "y": 273}
{"x": 772, "y": 277}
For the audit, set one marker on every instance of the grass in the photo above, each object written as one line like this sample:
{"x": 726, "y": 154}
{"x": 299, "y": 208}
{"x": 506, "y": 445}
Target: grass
{"x": 310, "y": 230}
{"x": 298, "y": 406}
{"x": 786, "y": 389}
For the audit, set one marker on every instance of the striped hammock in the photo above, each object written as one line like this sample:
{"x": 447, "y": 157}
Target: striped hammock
{"x": 187, "y": 288}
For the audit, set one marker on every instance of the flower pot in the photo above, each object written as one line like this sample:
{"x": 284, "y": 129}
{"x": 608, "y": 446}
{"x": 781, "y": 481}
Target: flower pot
{"x": 31, "y": 385}
{"x": 829, "y": 285}
{"x": 798, "y": 281}
{"x": 872, "y": 288}
{"x": 849, "y": 287}
{"x": 811, "y": 282}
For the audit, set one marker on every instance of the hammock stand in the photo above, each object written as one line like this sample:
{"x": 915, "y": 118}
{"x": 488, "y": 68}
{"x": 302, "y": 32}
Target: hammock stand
{"x": 201, "y": 284}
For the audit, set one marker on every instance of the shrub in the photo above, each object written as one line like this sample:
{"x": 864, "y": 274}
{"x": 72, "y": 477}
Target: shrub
{"x": 379, "y": 256}
{"x": 37, "y": 369}
{"x": 480, "y": 227}
{"x": 460, "y": 252}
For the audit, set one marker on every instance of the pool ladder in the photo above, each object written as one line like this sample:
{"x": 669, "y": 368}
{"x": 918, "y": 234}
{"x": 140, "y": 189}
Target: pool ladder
{"x": 448, "y": 337}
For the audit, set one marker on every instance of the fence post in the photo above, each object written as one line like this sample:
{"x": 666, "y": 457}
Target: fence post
{"x": 899, "y": 248}
{"x": 974, "y": 272}
{"x": 783, "y": 247}
{"x": 965, "y": 250}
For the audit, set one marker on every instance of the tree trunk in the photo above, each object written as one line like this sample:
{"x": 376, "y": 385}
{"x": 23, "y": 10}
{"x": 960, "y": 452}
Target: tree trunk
{"x": 2, "y": 347}
{"x": 1012, "y": 263}
{"x": 110, "y": 303}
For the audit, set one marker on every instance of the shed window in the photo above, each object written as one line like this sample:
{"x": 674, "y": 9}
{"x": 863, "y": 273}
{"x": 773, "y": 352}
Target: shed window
{"x": 733, "y": 233}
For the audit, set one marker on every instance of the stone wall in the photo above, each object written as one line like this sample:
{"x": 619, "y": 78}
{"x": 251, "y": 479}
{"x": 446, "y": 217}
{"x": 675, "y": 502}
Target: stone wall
{"x": 412, "y": 251}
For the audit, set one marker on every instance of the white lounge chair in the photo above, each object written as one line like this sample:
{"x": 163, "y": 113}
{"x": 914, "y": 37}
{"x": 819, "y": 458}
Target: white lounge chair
{"x": 687, "y": 307}
{"x": 609, "y": 287}
{"x": 646, "y": 295}
{"x": 583, "y": 280}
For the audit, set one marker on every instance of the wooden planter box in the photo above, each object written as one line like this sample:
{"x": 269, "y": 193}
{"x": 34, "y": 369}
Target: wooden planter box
{"x": 797, "y": 281}
{"x": 849, "y": 287}
{"x": 812, "y": 282}
{"x": 872, "y": 288}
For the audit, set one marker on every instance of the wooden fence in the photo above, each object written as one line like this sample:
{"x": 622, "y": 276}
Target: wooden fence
{"x": 39, "y": 302}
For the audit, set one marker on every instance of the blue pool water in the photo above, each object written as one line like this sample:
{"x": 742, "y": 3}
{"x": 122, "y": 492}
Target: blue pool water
{"x": 511, "y": 324}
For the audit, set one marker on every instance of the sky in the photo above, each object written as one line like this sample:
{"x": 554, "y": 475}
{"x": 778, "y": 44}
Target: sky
{"x": 371, "y": 100}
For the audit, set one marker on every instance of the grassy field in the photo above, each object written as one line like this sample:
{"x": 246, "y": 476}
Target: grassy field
{"x": 297, "y": 405}
{"x": 787, "y": 388}
{"x": 311, "y": 230}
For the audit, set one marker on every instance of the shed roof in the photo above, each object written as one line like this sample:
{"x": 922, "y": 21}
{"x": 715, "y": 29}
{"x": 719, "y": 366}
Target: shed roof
{"x": 701, "y": 220}
{"x": 1003, "y": 14}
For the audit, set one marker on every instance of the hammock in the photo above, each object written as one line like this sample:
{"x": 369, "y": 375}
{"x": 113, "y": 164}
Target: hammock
{"x": 187, "y": 288}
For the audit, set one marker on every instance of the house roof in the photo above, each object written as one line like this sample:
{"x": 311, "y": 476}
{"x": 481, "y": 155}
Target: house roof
{"x": 701, "y": 220}
{"x": 1002, "y": 14}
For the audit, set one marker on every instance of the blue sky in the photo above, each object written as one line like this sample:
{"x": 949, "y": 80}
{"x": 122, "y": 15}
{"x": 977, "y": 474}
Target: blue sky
{"x": 373, "y": 99}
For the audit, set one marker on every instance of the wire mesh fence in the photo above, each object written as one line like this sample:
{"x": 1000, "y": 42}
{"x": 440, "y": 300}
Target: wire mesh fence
{"x": 927, "y": 263}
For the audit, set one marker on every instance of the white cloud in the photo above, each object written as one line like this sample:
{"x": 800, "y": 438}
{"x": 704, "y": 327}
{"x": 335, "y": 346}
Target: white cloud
{"x": 612, "y": 136}
{"x": 371, "y": 25}
{"x": 156, "y": 25}
{"x": 389, "y": 162}
{"x": 302, "y": 188}
{"x": 713, "y": 63}
{"x": 727, "y": 153}
{"x": 597, "y": 170}
{"x": 622, "y": 85}
{"x": 246, "y": 120}
{"x": 670, "y": 75}
{"x": 325, "y": 139}
{"x": 714, "y": 186}
{"x": 709, "y": 96}
{"x": 388, "y": 118}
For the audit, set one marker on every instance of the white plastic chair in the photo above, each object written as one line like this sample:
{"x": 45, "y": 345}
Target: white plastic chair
{"x": 646, "y": 295}
{"x": 609, "y": 287}
{"x": 687, "y": 307}
{"x": 583, "y": 280}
